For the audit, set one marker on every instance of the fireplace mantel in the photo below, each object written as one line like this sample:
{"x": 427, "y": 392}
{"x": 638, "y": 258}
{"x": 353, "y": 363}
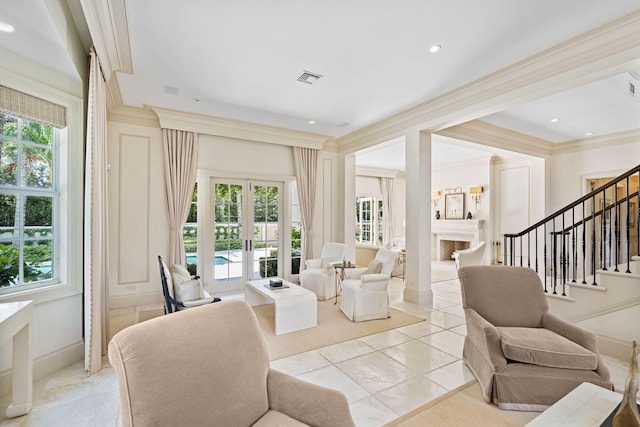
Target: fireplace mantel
{"x": 459, "y": 230}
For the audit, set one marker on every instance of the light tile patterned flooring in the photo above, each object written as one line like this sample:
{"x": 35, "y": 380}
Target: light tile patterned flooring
{"x": 383, "y": 376}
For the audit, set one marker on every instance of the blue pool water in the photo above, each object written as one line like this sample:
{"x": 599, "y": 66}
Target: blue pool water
{"x": 219, "y": 259}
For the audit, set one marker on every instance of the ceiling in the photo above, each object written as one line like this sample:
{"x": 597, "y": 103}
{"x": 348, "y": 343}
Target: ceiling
{"x": 240, "y": 59}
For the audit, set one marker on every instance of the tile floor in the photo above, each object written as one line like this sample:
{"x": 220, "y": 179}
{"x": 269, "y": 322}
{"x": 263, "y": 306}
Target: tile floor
{"x": 383, "y": 376}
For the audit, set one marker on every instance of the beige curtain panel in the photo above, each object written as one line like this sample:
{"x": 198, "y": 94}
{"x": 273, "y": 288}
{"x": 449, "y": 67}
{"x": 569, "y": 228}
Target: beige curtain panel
{"x": 96, "y": 231}
{"x": 32, "y": 108}
{"x": 180, "y": 170}
{"x": 306, "y": 167}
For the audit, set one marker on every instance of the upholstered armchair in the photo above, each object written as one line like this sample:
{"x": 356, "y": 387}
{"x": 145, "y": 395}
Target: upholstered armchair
{"x": 523, "y": 356}
{"x": 364, "y": 293}
{"x": 470, "y": 256}
{"x": 209, "y": 366}
{"x": 180, "y": 290}
{"x": 319, "y": 275}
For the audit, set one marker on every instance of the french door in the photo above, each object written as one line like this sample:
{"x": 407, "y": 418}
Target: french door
{"x": 245, "y": 234}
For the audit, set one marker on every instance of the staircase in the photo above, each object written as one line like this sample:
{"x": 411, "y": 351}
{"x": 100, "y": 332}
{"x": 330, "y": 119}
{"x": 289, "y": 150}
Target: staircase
{"x": 587, "y": 257}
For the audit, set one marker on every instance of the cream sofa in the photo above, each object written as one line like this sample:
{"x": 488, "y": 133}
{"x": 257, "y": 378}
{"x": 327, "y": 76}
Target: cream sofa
{"x": 319, "y": 275}
{"x": 209, "y": 366}
{"x": 364, "y": 293}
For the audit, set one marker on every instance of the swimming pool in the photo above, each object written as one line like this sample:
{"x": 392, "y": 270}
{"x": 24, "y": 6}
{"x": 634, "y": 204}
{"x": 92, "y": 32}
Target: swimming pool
{"x": 219, "y": 259}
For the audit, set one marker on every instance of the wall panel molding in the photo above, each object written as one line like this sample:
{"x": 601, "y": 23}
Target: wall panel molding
{"x": 133, "y": 209}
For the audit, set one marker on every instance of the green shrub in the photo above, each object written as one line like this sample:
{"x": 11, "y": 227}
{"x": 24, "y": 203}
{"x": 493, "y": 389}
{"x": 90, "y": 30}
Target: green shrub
{"x": 9, "y": 259}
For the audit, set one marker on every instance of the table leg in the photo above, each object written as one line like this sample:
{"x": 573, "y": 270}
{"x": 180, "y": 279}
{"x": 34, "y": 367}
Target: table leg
{"x": 21, "y": 400}
{"x": 339, "y": 278}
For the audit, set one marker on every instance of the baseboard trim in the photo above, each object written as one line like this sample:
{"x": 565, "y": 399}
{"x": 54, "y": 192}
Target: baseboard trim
{"x": 613, "y": 347}
{"x": 47, "y": 364}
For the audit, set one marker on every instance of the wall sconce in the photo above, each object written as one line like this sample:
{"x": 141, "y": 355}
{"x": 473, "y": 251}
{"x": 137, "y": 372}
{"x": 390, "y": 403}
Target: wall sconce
{"x": 435, "y": 198}
{"x": 476, "y": 194}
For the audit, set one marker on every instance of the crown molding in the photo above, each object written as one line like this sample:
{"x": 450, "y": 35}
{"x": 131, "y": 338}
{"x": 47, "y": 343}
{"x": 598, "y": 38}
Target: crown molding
{"x": 601, "y": 52}
{"x": 109, "y": 28}
{"x": 331, "y": 146}
{"x": 600, "y": 141}
{"x": 210, "y": 125}
{"x": 133, "y": 116}
{"x": 487, "y": 134}
{"x": 114, "y": 94}
{"x": 377, "y": 172}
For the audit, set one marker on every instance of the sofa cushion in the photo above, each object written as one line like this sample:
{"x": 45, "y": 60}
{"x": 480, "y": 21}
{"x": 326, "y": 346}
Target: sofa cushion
{"x": 276, "y": 418}
{"x": 543, "y": 347}
{"x": 374, "y": 267}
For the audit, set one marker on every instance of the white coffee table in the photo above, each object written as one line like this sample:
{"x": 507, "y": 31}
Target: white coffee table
{"x": 296, "y": 308}
{"x": 586, "y": 405}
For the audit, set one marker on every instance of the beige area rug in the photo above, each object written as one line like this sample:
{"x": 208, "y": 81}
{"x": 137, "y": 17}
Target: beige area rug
{"x": 463, "y": 407}
{"x": 333, "y": 327}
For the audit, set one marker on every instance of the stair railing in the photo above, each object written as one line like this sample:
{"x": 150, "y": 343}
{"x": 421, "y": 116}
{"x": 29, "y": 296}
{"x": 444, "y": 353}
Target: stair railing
{"x": 575, "y": 242}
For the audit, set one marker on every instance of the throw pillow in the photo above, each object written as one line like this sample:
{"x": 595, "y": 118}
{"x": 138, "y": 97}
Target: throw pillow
{"x": 374, "y": 267}
{"x": 181, "y": 270}
{"x": 180, "y": 275}
{"x": 187, "y": 291}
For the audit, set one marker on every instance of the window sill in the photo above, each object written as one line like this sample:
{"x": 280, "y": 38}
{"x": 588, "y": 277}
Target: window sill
{"x": 41, "y": 294}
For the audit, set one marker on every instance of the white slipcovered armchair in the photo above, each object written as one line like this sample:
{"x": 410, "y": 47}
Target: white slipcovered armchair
{"x": 364, "y": 293}
{"x": 319, "y": 275}
{"x": 471, "y": 256}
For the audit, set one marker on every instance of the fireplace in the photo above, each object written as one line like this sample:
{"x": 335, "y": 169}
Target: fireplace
{"x": 452, "y": 235}
{"x": 448, "y": 247}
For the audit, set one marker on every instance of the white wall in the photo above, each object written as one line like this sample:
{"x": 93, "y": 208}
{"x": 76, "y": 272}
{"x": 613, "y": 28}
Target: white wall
{"x": 569, "y": 172}
{"x": 464, "y": 174}
{"x": 244, "y": 158}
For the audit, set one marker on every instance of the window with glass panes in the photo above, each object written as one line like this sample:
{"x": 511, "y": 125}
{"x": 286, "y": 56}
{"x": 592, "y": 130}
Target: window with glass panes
{"x": 370, "y": 220}
{"x": 296, "y": 231}
{"x": 28, "y": 200}
{"x": 190, "y": 234}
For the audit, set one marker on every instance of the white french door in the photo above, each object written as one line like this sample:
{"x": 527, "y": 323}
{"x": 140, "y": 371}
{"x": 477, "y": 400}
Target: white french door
{"x": 246, "y": 220}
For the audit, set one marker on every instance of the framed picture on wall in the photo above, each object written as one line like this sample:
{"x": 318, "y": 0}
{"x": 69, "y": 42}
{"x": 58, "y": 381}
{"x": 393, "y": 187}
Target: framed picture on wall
{"x": 454, "y": 206}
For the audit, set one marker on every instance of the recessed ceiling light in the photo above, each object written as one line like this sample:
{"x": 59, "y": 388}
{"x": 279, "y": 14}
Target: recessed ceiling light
{"x": 435, "y": 48}
{"x": 312, "y": 122}
{"x": 555, "y": 119}
{"x": 7, "y": 28}
{"x": 589, "y": 133}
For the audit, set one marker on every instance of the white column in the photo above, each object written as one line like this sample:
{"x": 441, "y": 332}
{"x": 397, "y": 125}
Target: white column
{"x": 350, "y": 206}
{"x": 418, "y": 213}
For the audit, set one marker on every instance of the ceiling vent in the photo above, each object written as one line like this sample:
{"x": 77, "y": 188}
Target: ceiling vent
{"x": 308, "y": 77}
{"x": 171, "y": 90}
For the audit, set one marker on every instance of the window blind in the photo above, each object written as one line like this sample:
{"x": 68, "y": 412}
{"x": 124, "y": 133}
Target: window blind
{"x": 31, "y": 108}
